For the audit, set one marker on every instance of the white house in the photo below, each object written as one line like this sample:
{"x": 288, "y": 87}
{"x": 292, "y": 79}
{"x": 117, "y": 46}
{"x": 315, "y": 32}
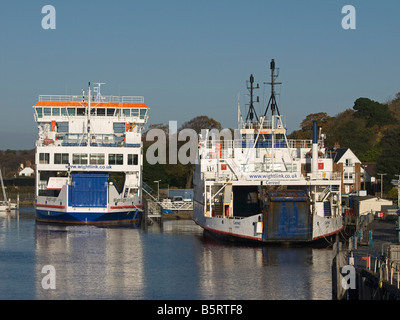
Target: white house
{"x": 27, "y": 172}
{"x": 349, "y": 166}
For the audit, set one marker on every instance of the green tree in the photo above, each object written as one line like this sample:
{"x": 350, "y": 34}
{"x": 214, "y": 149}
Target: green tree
{"x": 305, "y": 131}
{"x": 201, "y": 122}
{"x": 350, "y": 132}
{"x": 174, "y": 175}
{"x": 373, "y": 112}
{"x": 388, "y": 162}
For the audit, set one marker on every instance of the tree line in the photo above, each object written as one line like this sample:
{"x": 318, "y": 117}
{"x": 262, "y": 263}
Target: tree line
{"x": 370, "y": 129}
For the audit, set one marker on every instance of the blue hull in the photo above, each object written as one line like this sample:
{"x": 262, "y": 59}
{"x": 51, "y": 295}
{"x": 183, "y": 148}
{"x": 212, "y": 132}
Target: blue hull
{"x": 94, "y": 218}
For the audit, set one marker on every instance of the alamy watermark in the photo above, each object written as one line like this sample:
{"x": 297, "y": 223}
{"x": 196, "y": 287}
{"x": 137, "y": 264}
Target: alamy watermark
{"x": 49, "y": 20}
{"x": 49, "y": 280}
{"x": 349, "y": 20}
{"x": 349, "y": 277}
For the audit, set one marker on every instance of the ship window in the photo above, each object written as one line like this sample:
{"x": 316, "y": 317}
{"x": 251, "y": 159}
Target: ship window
{"x": 132, "y": 159}
{"x": 56, "y": 111}
{"x": 79, "y": 158}
{"x": 127, "y": 112}
{"x": 142, "y": 113}
{"x": 62, "y": 127}
{"x": 47, "y": 111}
{"x": 101, "y": 111}
{"x": 39, "y": 112}
{"x": 63, "y": 111}
{"x": 134, "y": 112}
{"x": 96, "y": 158}
{"x": 80, "y": 111}
{"x": 71, "y": 111}
{"x": 61, "y": 158}
{"x": 44, "y": 158}
{"x": 115, "y": 159}
{"x": 119, "y": 127}
{"x": 110, "y": 112}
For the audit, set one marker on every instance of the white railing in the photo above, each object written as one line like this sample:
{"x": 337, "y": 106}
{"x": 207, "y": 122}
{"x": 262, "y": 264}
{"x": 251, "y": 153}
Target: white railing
{"x": 177, "y": 205}
{"x": 387, "y": 269}
{"x": 245, "y": 143}
{"x": 266, "y": 124}
{"x": 79, "y": 98}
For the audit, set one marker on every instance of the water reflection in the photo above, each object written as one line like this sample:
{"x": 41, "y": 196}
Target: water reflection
{"x": 90, "y": 262}
{"x": 175, "y": 261}
{"x": 264, "y": 272}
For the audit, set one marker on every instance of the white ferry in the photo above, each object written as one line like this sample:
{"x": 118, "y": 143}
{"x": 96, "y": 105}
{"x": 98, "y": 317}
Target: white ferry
{"x": 262, "y": 187}
{"x": 89, "y": 158}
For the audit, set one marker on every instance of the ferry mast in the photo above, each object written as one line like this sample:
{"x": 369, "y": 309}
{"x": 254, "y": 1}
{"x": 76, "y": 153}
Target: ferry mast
{"x": 272, "y": 99}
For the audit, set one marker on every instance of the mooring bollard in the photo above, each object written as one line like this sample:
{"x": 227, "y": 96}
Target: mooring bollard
{"x": 370, "y": 240}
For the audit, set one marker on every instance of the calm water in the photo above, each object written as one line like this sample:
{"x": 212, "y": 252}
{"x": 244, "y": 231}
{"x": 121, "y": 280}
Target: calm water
{"x": 173, "y": 262}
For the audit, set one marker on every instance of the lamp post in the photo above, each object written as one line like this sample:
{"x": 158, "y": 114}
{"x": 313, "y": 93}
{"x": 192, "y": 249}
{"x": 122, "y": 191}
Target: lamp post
{"x": 382, "y": 174}
{"x": 158, "y": 189}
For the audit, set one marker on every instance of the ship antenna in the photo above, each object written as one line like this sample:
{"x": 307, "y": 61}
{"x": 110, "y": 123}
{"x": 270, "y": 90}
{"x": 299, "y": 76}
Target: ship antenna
{"x": 272, "y": 99}
{"x": 252, "y": 112}
{"x": 97, "y": 90}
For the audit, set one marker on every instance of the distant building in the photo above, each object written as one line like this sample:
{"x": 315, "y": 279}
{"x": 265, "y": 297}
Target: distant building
{"x": 349, "y": 167}
{"x": 370, "y": 204}
{"x": 27, "y": 171}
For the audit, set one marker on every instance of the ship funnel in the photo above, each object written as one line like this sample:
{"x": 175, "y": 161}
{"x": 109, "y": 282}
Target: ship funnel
{"x": 314, "y": 160}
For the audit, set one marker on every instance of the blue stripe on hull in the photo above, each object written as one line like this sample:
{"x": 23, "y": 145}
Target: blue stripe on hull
{"x": 124, "y": 217}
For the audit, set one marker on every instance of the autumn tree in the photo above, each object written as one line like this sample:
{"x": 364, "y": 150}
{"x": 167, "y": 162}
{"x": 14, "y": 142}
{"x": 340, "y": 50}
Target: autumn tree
{"x": 177, "y": 175}
{"x": 374, "y": 113}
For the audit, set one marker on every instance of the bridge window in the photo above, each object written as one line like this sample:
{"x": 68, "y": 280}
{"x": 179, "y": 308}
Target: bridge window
{"x": 44, "y": 158}
{"x": 80, "y": 158}
{"x": 132, "y": 159}
{"x": 96, "y": 158}
{"x": 61, "y": 158}
{"x": 115, "y": 159}
{"x": 134, "y": 112}
{"x": 39, "y": 112}
{"x": 71, "y": 111}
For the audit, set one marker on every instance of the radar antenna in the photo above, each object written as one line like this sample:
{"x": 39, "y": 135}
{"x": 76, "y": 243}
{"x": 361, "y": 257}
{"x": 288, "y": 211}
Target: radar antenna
{"x": 272, "y": 99}
{"x": 252, "y": 112}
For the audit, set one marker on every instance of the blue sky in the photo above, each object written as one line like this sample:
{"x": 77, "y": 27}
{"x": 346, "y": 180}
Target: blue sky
{"x": 190, "y": 58}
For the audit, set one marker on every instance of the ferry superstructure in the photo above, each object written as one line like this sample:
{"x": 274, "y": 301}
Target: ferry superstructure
{"x": 263, "y": 187}
{"x": 89, "y": 158}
